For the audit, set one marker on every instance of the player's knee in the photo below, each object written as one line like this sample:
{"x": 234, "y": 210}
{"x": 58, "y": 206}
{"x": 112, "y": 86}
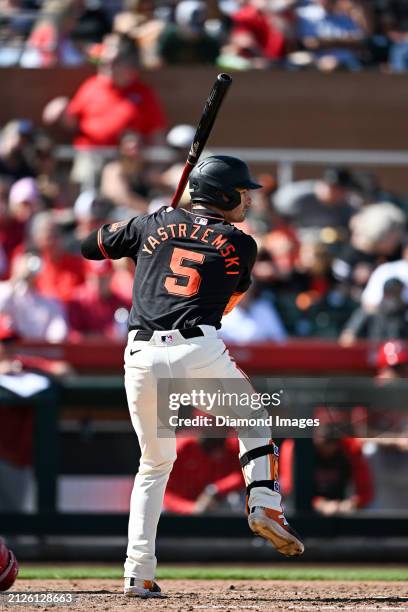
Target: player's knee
{"x": 159, "y": 465}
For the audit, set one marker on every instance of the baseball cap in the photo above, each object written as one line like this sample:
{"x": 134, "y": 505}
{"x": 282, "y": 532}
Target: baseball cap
{"x": 24, "y": 127}
{"x": 278, "y": 6}
{"x": 339, "y": 176}
{"x": 89, "y": 206}
{"x": 24, "y": 190}
{"x": 181, "y": 136}
{"x": 191, "y": 14}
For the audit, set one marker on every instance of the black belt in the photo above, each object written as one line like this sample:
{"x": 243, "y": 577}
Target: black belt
{"x": 189, "y": 332}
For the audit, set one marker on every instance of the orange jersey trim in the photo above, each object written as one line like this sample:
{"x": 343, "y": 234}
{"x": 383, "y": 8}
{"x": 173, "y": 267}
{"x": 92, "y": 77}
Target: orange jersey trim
{"x": 233, "y": 301}
{"x": 100, "y": 244}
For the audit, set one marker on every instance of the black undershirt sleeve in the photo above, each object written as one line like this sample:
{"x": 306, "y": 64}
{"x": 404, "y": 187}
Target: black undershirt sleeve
{"x": 90, "y": 248}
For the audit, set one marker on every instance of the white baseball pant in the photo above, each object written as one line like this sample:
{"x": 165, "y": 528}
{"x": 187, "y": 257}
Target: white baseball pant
{"x": 202, "y": 357}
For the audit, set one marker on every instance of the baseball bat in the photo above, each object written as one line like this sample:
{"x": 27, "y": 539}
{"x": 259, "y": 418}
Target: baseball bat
{"x": 205, "y": 125}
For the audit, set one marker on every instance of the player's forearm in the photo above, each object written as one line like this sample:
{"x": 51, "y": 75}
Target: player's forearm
{"x": 90, "y": 247}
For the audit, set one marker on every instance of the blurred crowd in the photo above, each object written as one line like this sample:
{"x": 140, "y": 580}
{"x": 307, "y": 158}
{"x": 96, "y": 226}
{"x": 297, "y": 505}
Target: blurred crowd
{"x": 234, "y": 34}
{"x": 333, "y": 250}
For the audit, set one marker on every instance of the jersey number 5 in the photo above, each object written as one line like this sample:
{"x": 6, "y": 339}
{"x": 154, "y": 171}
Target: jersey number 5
{"x": 172, "y": 283}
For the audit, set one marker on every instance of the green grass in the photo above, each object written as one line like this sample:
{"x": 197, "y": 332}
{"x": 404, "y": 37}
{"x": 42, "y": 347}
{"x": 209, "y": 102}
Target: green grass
{"x": 49, "y": 572}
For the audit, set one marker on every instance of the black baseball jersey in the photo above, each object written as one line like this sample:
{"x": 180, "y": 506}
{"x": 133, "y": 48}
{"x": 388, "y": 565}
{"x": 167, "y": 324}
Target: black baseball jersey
{"x": 188, "y": 265}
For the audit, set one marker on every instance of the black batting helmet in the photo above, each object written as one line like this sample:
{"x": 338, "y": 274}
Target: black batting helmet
{"x": 216, "y": 178}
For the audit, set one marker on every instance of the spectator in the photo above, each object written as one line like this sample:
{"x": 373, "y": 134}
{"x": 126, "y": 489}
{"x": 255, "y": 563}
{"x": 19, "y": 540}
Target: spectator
{"x": 60, "y": 271}
{"x": 388, "y": 456}
{"x": 47, "y": 173}
{"x": 106, "y": 105}
{"x": 11, "y": 232}
{"x": 93, "y": 309}
{"x": 31, "y": 315}
{"x": 93, "y": 24}
{"x": 50, "y": 42}
{"x": 186, "y": 41}
{"x": 314, "y": 205}
{"x": 394, "y": 22}
{"x": 277, "y": 256}
{"x": 263, "y": 29}
{"x": 371, "y": 190}
{"x": 205, "y": 472}
{"x": 373, "y": 293}
{"x": 376, "y": 235}
{"x": 134, "y": 14}
{"x": 16, "y": 437}
{"x": 254, "y": 319}
{"x": 125, "y": 181}
{"x": 333, "y": 34}
{"x": 15, "y": 25}
{"x": 15, "y": 149}
{"x": 390, "y": 320}
{"x": 339, "y": 465}
{"x": 24, "y": 203}
{"x": 139, "y": 21}
{"x": 122, "y": 279}
{"x": 24, "y": 200}
{"x": 16, "y": 432}
{"x": 90, "y": 211}
{"x": 179, "y": 139}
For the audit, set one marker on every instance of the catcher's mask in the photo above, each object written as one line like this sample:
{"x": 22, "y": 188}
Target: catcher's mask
{"x": 216, "y": 180}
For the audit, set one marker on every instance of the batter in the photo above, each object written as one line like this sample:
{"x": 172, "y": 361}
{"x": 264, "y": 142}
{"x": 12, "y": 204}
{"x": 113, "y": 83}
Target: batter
{"x": 193, "y": 266}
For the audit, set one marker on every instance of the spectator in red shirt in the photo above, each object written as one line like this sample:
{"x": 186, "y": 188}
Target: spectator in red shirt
{"x": 112, "y": 101}
{"x": 94, "y": 309}
{"x": 268, "y": 28}
{"x": 206, "y": 470}
{"x": 60, "y": 271}
{"x": 107, "y": 104}
{"x": 122, "y": 279}
{"x": 338, "y": 464}
{"x": 50, "y": 41}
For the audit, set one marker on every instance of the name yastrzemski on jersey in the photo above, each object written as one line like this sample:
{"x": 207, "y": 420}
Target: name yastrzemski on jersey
{"x": 191, "y": 267}
{"x": 200, "y": 233}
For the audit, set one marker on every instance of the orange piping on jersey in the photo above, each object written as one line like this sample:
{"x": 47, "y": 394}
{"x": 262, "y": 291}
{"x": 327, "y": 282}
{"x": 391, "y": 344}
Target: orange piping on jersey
{"x": 237, "y": 272}
{"x": 100, "y": 244}
{"x": 233, "y": 301}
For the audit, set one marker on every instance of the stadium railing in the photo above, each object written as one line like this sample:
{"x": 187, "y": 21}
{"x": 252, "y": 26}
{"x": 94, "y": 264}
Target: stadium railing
{"x": 105, "y": 394}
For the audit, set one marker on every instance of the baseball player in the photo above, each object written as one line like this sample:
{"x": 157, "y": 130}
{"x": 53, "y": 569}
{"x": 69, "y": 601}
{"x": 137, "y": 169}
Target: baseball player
{"x": 192, "y": 266}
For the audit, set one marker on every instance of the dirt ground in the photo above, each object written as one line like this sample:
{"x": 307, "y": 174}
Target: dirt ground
{"x": 226, "y": 595}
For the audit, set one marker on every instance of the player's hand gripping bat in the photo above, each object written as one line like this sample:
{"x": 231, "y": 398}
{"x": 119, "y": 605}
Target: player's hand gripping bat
{"x": 209, "y": 114}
